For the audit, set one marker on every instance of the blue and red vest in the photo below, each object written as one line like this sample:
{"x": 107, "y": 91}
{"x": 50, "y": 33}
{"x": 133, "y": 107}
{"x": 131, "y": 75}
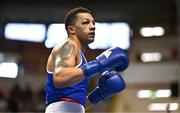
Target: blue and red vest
{"x": 77, "y": 92}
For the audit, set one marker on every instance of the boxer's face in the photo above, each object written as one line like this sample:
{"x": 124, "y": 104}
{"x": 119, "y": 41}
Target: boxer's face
{"x": 85, "y": 27}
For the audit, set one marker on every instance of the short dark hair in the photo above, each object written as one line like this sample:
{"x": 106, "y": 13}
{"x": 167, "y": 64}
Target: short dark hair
{"x": 72, "y": 14}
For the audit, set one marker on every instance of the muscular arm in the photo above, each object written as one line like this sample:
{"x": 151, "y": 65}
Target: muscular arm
{"x": 65, "y": 73}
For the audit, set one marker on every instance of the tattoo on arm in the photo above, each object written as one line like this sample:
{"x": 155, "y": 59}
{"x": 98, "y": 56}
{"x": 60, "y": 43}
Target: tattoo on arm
{"x": 63, "y": 54}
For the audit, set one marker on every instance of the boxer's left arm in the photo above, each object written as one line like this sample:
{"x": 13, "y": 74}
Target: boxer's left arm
{"x": 88, "y": 104}
{"x": 110, "y": 83}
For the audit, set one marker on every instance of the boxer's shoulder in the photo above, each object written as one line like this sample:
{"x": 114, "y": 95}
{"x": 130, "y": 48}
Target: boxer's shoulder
{"x": 66, "y": 48}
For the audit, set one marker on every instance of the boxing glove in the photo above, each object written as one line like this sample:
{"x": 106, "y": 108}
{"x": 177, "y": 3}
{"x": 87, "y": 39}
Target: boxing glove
{"x": 114, "y": 58}
{"x": 110, "y": 83}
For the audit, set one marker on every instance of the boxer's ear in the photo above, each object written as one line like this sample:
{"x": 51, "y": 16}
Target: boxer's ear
{"x": 71, "y": 30}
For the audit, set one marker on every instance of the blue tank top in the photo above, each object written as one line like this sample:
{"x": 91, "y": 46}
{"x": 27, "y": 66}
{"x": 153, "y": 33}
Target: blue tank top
{"x": 77, "y": 92}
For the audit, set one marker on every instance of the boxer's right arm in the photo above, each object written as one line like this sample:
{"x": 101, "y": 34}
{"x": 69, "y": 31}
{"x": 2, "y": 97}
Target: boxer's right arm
{"x": 64, "y": 60}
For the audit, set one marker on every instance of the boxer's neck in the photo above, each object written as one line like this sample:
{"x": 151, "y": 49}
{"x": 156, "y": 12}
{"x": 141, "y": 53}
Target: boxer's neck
{"x": 79, "y": 44}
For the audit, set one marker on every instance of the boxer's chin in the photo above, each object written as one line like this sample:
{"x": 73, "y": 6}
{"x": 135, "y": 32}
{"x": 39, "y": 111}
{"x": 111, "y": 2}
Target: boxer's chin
{"x": 90, "y": 40}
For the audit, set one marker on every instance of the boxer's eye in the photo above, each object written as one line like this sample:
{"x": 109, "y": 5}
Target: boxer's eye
{"x": 85, "y": 21}
{"x": 93, "y": 22}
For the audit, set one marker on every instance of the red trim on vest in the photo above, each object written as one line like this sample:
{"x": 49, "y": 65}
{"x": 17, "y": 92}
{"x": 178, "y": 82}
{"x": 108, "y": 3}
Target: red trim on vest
{"x": 69, "y": 100}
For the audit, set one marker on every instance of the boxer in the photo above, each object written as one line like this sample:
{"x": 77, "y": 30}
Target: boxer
{"x": 68, "y": 71}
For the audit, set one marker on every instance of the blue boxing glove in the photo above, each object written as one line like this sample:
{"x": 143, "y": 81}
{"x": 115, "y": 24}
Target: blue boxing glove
{"x": 115, "y": 58}
{"x": 110, "y": 83}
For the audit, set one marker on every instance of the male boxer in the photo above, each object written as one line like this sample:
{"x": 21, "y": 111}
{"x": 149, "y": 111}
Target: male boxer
{"x": 68, "y": 70}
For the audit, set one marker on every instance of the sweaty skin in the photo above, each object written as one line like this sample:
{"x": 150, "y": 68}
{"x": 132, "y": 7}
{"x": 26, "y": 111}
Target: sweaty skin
{"x": 62, "y": 62}
{"x": 63, "y": 54}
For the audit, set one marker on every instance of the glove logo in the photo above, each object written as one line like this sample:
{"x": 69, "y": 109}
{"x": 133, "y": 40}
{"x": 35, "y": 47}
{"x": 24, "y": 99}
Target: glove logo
{"x": 107, "y": 54}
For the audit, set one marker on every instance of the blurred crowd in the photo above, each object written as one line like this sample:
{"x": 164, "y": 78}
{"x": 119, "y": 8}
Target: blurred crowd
{"x": 19, "y": 99}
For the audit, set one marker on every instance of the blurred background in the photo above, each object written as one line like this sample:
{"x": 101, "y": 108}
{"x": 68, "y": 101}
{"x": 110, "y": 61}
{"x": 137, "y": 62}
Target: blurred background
{"x": 148, "y": 30}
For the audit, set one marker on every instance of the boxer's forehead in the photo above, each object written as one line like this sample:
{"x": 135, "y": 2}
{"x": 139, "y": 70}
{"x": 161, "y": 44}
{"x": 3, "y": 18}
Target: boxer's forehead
{"x": 85, "y": 17}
